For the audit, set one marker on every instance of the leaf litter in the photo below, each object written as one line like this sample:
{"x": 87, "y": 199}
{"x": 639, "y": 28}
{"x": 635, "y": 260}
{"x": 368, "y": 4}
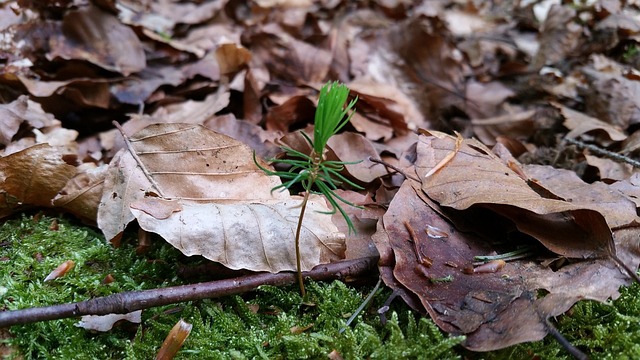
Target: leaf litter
{"x": 544, "y": 86}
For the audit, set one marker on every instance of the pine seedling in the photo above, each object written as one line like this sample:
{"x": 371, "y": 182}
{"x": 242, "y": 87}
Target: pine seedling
{"x": 316, "y": 174}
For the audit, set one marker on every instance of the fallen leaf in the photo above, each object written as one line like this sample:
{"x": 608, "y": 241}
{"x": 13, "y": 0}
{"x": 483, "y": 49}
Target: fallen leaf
{"x": 105, "y": 322}
{"x": 82, "y": 193}
{"x": 477, "y": 177}
{"x": 22, "y": 187}
{"x": 560, "y": 35}
{"x": 92, "y": 34}
{"x": 609, "y": 170}
{"x": 579, "y": 124}
{"x": 60, "y": 271}
{"x": 174, "y": 340}
{"x": 495, "y": 308}
{"x": 617, "y": 209}
{"x": 218, "y": 203}
{"x": 19, "y": 111}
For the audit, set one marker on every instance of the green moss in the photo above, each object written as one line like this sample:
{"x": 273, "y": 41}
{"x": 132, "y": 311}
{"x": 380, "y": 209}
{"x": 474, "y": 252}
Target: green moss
{"x": 283, "y": 328}
{"x": 270, "y": 323}
{"x": 228, "y": 328}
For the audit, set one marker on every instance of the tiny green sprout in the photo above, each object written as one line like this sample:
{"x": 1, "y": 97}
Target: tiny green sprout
{"x": 316, "y": 174}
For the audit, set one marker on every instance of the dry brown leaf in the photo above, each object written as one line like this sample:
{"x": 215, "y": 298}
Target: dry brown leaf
{"x": 288, "y": 58}
{"x": 295, "y": 110}
{"x": 91, "y": 34}
{"x": 136, "y": 90}
{"x": 162, "y": 16}
{"x": 232, "y": 58}
{"x": 617, "y": 208}
{"x": 82, "y": 193}
{"x": 518, "y": 124}
{"x": 613, "y": 98}
{"x": 579, "y": 124}
{"x": 190, "y": 111}
{"x": 477, "y": 177}
{"x": 609, "y": 170}
{"x": 32, "y": 177}
{"x": 496, "y": 308}
{"x": 19, "y": 111}
{"x": 174, "y": 340}
{"x": 560, "y": 36}
{"x": 215, "y": 201}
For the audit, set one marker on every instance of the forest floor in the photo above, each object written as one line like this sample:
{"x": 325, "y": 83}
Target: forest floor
{"x": 491, "y": 155}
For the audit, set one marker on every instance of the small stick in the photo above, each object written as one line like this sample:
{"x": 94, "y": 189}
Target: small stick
{"x": 126, "y": 302}
{"x": 385, "y": 307}
{"x": 599, "y": 151}
{"x": 422, "y": 259}
{"x": 397, "y": 169}
{"x": 574, "y": 351}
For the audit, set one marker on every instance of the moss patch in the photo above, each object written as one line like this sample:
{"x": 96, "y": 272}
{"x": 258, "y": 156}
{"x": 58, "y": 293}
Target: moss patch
{"x": 270, "y": 323}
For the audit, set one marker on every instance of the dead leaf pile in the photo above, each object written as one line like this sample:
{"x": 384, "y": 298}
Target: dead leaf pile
{"x": 545, "y": 97}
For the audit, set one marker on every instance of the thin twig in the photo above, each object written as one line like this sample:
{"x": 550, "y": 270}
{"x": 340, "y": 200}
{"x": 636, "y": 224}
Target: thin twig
{"x": 397, "y": 169}
{"x": 127, "y": 302}
{"x": 566, "y": 344}
{"x": 632, "y": 274}
{"x": 600, "y": 151}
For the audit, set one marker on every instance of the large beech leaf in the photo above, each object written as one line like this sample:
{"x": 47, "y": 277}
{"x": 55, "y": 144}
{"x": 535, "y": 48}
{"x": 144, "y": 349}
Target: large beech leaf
{"x": 474, "y": 176}
{"x": 202, "y": 192}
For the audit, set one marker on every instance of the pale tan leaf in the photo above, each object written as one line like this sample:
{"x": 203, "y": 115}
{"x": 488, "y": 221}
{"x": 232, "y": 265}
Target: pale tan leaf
{"x": 106, "y": 322}
{"x": 174, "y": 340}
{"x": 202, "y": 192}
{"x": 259, "y": 236}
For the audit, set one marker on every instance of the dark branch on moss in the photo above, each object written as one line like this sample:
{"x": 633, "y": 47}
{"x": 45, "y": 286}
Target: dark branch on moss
{"x": 126, "y": 302}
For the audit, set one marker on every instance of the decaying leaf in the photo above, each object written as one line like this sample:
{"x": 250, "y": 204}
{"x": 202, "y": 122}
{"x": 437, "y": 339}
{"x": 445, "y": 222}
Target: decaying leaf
{"x": 98, "y": 37}
{"x": 32, "y": 177}
{"x": 580, "y": 123}
{"x": 174, "y": 340}
{"x": 60, "y": 271}
{"x": 106, "y": 322}
{"x": 494, "y": 308}
{"x": 19, "y": 111}
{"x": 82, "y": 193}
{"x": 201, "y": 191}
{"x": 477, "y": 177}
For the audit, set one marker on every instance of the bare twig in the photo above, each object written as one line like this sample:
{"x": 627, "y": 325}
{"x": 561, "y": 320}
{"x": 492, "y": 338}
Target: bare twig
{"x": 390, "y": 166}
{"x": 566, "y": 344}
{"x": 600, "y": 151}
{"x": 127, "y": 302}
